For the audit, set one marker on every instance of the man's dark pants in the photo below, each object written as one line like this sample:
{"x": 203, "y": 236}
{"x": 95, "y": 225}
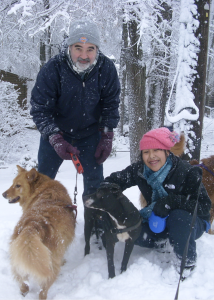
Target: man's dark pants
{"x": 49, "y": 161}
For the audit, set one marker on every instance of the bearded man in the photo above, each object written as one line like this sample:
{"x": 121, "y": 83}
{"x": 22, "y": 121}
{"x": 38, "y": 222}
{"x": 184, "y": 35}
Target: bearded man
{"x": 75, "y": 104}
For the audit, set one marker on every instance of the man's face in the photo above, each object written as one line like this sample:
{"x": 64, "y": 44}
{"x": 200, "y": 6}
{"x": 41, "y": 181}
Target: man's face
{"x": 83, "y": 55}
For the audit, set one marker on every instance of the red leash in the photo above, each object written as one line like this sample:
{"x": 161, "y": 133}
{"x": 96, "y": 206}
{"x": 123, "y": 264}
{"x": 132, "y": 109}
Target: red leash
{"x": 79, "y": 169}
{"x": 77, "y": 163}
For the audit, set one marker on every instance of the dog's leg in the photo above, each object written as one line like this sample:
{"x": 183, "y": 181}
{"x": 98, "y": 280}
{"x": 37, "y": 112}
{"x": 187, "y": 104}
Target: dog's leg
{"x": 46, "y": 284}
{"x": 43, "y": 293}
{"x": 89, "y": 221}
{"x": 110, "y": 255}
{"x": 129, "y": 244}
{"x": 45, "y": 287}
{"x": 24, "y": 287}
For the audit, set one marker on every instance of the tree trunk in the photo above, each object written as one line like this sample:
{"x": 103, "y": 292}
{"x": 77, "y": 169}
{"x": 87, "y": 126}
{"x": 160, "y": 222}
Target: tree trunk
{"x": 136, "y": 80}
{"x": 123, "y": 77}
{"x": 45, "y": 48}
{"x": 198, "y": 87}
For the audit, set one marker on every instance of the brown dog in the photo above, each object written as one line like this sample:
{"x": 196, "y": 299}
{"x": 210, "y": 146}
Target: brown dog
{"x": 207, "y": 177}
{"x": 43, "y": 233}
{"x": 207, "y": 165}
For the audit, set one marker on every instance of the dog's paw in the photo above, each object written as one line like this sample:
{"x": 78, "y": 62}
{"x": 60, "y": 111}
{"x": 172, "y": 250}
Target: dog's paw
{"x": 24, "y": 289}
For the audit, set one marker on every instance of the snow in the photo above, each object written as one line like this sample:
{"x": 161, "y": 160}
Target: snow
{"x": 150, "y": 274}
{"x": 188, "y": 48}
{"x": 25, "y": 4}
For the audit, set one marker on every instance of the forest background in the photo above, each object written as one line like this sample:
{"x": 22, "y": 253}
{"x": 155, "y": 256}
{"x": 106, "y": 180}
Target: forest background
{"x": 156, "y": 46}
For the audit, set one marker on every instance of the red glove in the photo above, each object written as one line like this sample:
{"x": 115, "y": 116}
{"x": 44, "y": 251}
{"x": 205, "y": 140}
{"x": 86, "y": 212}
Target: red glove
{"x": 104, "y": 147}
{"x": 62, "y": 148}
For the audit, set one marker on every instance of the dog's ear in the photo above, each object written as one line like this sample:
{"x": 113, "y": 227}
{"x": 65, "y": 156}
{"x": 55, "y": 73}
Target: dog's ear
{"x": 20, "y": 169}
{"x": 115, "y": 188}
{"x": 32, "y": 175}
{"x": 127, "y": 204}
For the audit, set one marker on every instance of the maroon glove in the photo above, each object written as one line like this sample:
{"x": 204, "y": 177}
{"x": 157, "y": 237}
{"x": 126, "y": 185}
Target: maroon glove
{"x": 104, "y": 147}
{"x": 62, "y": 148}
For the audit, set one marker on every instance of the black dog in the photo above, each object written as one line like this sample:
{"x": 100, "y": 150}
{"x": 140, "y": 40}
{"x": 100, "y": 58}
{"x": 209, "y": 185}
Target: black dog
{"x": 121, "y": 220}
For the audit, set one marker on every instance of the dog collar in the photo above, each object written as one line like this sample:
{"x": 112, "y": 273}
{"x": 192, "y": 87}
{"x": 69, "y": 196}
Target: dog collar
{"x": 73, "y": 208}
{"x": 205, "y": 167}
{"x": 117, "y": 231}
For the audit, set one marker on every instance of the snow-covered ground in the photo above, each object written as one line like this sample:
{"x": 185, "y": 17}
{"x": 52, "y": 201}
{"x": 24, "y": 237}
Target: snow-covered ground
{"x": 150, "y": 274}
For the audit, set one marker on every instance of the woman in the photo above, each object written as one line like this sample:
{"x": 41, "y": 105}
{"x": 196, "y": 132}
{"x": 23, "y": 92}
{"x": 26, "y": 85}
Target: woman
{"x": 170, "y": 187}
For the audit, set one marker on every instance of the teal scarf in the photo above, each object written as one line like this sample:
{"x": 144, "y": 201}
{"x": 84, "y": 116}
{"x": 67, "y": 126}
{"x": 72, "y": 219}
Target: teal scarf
{"x": 155, "y": 180}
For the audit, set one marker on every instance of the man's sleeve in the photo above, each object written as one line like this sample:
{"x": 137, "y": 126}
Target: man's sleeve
{"x": 43, "y": 100}
{"x": 110, "y": 98}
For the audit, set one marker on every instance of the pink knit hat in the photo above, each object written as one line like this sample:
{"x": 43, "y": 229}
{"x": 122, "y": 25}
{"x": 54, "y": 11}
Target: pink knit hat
{"x": 160, "y": 138}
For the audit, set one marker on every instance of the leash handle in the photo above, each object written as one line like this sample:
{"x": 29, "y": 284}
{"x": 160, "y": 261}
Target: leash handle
{"x": 77, "y": 163}
{"x": 75, "y": 191}
{"x": 183, "y": 260}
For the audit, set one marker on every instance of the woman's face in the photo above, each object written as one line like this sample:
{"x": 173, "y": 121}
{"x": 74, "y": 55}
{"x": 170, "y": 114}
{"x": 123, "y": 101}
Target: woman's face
{"x": 155, "y": 158}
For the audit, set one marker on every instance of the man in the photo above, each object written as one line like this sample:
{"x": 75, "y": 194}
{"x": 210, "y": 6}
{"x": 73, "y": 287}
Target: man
{"x": 75, "y": 106}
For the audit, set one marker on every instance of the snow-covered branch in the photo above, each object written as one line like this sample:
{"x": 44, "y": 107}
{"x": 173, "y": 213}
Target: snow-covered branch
{"x": 188, "y": 48}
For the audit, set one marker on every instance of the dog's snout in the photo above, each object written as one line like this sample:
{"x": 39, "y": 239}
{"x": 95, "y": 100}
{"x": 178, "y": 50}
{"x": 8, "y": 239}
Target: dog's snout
{"x": 88, "y": 202}
{"x": 4, "y": 194}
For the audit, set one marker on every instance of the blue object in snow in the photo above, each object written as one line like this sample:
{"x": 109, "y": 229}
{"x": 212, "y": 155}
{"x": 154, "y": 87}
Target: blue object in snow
{"x": 156, "y": 223}
{"x": 208, "y": 226}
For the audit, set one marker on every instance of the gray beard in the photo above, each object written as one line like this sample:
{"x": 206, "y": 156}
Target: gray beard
{"x": 84, "y": 68}
{"x": 81, "y": 67}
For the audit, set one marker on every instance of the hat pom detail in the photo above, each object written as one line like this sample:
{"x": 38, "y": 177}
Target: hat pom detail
{"x": 174, "y": 137}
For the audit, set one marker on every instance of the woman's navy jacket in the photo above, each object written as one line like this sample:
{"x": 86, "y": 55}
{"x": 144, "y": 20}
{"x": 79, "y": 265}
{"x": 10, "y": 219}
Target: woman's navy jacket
{"x": 62, "y": 101}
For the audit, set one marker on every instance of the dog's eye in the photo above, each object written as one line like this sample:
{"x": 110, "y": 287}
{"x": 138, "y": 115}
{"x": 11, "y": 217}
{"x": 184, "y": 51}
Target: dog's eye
{"x": 17, "y": 186}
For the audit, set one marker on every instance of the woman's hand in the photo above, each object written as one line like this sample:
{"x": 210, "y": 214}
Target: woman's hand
{"x": 164, "y": 205}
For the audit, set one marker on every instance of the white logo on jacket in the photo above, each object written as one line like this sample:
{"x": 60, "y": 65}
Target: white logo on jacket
{"x": 170, "y": 186}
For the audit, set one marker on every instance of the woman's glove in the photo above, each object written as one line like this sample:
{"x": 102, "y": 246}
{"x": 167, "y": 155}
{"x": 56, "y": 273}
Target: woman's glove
{"x": 62, "y": 148}
{"x": 104, "y": 147}
{"x": 164, "y": 205}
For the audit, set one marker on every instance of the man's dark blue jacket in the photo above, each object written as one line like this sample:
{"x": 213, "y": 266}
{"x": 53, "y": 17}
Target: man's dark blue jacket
{"x": 62, "y": 101}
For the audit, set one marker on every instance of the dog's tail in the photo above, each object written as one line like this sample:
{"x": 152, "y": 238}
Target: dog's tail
{"x": 194, "y": 162}
{"x": 30, "y": 256}
{"x": 178, "y": 148}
